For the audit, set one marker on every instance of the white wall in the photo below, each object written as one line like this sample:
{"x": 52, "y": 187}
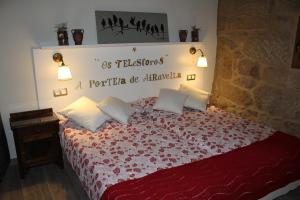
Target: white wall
{"x": 29, "y": 24}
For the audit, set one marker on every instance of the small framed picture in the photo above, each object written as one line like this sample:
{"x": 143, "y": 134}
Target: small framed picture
{"x": 131, "y": 27}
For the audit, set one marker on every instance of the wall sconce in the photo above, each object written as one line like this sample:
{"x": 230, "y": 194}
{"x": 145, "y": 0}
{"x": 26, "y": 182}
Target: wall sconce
{"x": 202, "y": 61}
{"x": 64, "y": 72}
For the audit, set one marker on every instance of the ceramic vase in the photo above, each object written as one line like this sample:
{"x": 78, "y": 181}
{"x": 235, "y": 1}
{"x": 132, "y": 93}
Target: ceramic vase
{"x": 183, "y": 35}
{"x": 195, "y": 35}
{"x": 77, "y": 36}
{"x": 62, "y": 37}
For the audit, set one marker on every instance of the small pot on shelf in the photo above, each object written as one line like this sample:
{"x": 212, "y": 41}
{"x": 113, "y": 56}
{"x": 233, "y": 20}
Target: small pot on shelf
{"x": 183, "y": 35}
{"x": 62, "y": 34}
{"x": 62, "y": 37}
{"x": 195, "y": 34}
{"x": 77, "y": 36}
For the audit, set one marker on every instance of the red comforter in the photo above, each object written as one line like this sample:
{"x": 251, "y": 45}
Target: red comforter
{"x": 245, "y": 173}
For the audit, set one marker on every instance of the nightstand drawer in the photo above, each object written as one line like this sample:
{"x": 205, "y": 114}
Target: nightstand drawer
{"x": 36, "y": 132}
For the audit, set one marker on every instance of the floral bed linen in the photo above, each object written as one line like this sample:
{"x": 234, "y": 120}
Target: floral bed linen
{"x": 152, "y": 140}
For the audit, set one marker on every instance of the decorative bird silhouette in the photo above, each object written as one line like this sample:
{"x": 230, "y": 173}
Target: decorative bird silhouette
{"x": 152, "y": 30}
{"x": 132, "y": 19}
{"x": 143, "y": 24}
{"x": 121, "y": 22}
{"x": 115, "y": 19}
{"x": 162, "y": 28}
{"x": 138, "y": 26}
{"x": 103, "y": 23}
{"x": 156, "y": 29}
{"x": 110, "y": 23}
{"x": 147, "y": 28}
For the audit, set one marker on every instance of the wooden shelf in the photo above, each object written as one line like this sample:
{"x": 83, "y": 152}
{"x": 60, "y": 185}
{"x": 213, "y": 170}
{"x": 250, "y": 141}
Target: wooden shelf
{"x": 122, "y": 45}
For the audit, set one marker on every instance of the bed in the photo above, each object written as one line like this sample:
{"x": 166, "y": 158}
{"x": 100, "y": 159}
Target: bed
{"x": 151, "y": 142}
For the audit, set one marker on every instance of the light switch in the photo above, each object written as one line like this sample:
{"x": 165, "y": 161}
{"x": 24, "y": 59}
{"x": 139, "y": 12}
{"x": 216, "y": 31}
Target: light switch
{"x": 56, "y": 92}
{"x": 64, "y": 91}
{"x": 191, "y": 77}
{"x": 60, "y": 92}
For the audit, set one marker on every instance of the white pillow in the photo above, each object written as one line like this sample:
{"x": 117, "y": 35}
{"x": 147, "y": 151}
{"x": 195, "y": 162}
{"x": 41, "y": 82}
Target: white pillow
{"x": 197, "y": 99}
{"x": 84, "y": 111}
{"x": 116, "y": 108}
{"x": 170, "y": 100}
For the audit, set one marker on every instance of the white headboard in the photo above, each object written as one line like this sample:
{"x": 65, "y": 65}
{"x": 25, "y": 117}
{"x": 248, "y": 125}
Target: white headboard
{"x": 98, "y": 71}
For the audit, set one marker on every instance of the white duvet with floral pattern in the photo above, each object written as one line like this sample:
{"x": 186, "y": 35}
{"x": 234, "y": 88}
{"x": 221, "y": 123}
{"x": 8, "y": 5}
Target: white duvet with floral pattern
{"x": 152, "y": 140}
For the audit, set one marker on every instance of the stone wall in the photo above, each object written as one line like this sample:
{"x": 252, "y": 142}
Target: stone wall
{"x": 253, "y": 76}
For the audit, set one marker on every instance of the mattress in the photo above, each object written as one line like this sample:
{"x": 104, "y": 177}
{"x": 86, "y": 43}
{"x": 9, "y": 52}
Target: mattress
{"x": 152, "y": 140}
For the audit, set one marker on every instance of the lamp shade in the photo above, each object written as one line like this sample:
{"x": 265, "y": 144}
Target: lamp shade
{"x": 202, "y": 62}
{"x": 64, "y": 73}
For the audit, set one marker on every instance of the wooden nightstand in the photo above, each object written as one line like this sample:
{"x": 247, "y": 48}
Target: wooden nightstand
{"x": 36, "y": 138}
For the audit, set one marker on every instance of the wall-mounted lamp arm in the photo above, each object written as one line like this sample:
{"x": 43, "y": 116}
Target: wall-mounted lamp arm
{"x": 193, "y": 50}
{"x": 202, "y": 54}
{"x": 62, "y": 63}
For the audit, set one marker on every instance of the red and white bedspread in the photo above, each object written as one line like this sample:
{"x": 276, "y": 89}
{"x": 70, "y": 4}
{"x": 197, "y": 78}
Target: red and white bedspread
{"x": 246, "y": 173}
{"x": 152, "y": 141}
